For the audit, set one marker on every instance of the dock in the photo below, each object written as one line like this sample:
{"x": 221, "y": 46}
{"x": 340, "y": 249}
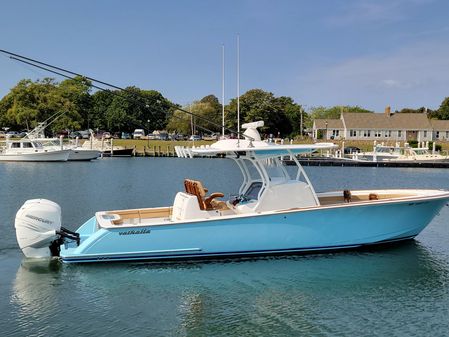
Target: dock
{"x": 325, "y": 161}
{"x": 169, "y": 151}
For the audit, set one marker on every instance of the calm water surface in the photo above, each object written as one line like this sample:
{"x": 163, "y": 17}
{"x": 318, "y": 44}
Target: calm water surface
{"x": 401, "y": 290}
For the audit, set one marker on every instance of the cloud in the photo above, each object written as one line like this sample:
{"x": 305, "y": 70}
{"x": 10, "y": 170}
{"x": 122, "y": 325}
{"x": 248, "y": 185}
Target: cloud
{"x": 413, "y": 76}
{"x": 374, "y": 11}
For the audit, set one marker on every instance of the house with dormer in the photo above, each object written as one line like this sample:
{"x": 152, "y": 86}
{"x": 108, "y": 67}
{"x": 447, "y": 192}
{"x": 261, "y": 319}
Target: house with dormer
{"x": 381, "y": 126}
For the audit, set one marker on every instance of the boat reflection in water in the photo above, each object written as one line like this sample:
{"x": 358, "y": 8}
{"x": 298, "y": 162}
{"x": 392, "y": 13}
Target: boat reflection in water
{"x": 194, "y": 298}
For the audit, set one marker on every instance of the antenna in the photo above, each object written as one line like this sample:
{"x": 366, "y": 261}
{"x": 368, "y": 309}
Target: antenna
{"x": 223, "y": 91}
{"x": 238, "y": 89}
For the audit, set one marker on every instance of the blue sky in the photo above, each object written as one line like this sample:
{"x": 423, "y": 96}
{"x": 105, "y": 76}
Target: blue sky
{"x": 366, "y": 53}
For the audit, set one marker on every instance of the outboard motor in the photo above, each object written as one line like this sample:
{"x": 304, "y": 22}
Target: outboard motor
{"x": 38, "y": 228}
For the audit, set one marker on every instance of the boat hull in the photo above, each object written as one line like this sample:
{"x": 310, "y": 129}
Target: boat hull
{"x": 118, "y": 153}
{"x": 83, "y": 155}
{"x": 43, "y": 156}
{"x": 295, "y": 231}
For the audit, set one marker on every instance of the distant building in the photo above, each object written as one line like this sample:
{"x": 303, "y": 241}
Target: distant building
{"x": 381, "y": 126}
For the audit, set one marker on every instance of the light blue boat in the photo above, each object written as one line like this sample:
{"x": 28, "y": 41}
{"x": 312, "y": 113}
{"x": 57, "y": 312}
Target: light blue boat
{"x": 274, "y": 213}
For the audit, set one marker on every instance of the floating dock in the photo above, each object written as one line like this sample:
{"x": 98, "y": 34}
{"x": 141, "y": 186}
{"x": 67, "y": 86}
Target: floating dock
{"x": 325, "y": 161}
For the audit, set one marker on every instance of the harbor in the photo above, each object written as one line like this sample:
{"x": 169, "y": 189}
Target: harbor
{"x": 209, "y": 169}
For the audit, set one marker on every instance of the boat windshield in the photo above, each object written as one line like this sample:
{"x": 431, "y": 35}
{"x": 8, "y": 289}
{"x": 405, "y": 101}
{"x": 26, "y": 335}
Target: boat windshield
{"x": 421, "y": 151}
{"x": 276, "y": 170}
{"x": 385, "y": 149}
{"x": 252, "y": 193}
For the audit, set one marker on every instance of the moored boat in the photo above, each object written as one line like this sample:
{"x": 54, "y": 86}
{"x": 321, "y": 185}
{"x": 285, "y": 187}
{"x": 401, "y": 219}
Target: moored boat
{"x": 27, "y": 150}
{"x": 274, "y": 212}
{"x": 107, "y": 148}
{"x": 76, "y": 152}
{"x": 398, "y": 154}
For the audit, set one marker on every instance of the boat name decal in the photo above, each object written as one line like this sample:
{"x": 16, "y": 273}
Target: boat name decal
{"x": 39, "y": 219}
{"x": 135, "y": 231}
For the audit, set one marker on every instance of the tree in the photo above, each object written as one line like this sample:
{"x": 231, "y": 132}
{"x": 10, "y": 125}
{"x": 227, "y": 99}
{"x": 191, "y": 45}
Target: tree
{"x": 125, "y": 110}
{"x": 443, "y": 111}
{"x": 208, "y": 108}
{"x": 30, "y": 103}
{"x": 334, "y": 112}
{"x": 281, "y": 115}
{"x": 409, "y": 111}
{"x": 101, "y": 100}
{"x": 78, "y": 103}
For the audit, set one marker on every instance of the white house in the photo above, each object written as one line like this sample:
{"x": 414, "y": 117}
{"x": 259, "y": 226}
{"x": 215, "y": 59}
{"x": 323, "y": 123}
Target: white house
{"x": 382, "y": 126}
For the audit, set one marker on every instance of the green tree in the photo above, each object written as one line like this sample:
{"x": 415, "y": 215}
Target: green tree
{"x": 29, "y": 103}
{"x": 77, "y": 105}
{"x": 125, "y": 110}
{"x": 101, "y": 100}
{"x": 208, "y": 108}
{"x": 334, "y": 112}
{"x": 281, "y": 115}
{"x": 443, "y": 111}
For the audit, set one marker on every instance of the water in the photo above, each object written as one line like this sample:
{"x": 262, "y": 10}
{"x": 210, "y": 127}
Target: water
{"x": 401, "y": 290}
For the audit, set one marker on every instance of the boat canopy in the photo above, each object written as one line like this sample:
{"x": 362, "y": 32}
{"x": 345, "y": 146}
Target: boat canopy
{"x": 258, "y": 149}
{"x": 267, "y": 185}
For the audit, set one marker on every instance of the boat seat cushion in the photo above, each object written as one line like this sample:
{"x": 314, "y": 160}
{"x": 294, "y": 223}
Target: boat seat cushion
{"x": 195, "y": 187}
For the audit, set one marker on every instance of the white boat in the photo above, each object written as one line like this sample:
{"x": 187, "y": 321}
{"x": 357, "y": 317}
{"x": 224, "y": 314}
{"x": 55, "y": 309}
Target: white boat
{"x": 106, "y": 147}
{"x": 76, "y": 152}
{"x": 274, "y": 212}
{"x": 30, "y": 150}
{"x": 385, "y": 153}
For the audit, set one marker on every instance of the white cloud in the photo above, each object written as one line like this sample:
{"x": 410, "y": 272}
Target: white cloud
{"x": 372, "y": 11}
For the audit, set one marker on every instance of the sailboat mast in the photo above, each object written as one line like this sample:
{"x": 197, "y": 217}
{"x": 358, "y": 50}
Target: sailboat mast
{"x": 223, "y": 92}
{"x": 238, "y": 88}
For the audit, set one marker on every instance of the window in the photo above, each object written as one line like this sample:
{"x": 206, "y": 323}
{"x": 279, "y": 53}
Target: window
{"x": 377, "y": 133}
{"x": 27, "y": 145}
{"x": 387, "y": 133}
{"x": 425, "y": 133}
{"x": 447, "y": 134}
{"x": 437, "y": 135}
{"x": 366, "y": 133}
{"x": 335, "y": 133}
{"x": 15, "y": 145}
{"x": 352, "y": 133}
{"x": 399, "y": 133}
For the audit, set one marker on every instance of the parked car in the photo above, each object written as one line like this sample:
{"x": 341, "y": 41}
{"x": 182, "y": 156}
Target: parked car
{"x": 2, "y": 134}
{"x": 85, "y": 134}
{"x": 75, "y": 134}
{"x": 177, "y": 136}
{"x": 63, "y": 133}
{"x": 160, "y": 135}
{"x": 12, "y": 134}
{"x": 138, "y": 133}
{"x": 195, "y": 137}
{"x": 212, "y": 136}
{"x": 102, "y": 134}
{"x": 125, "y": 135}
{"x": 351, "y": 149}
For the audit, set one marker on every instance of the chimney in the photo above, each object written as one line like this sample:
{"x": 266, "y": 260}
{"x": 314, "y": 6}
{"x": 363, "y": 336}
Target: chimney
{"x": 388, "y": 111}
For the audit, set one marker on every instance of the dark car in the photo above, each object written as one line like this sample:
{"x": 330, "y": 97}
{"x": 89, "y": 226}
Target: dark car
{"x": 75, "y": 134}
{"x": 351, "y": 149}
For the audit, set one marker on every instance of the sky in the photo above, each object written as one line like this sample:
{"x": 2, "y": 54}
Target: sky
{"x": 320, "y": 53}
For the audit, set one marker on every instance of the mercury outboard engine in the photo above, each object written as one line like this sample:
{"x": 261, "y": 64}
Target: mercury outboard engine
{"x": 38, "y": 229}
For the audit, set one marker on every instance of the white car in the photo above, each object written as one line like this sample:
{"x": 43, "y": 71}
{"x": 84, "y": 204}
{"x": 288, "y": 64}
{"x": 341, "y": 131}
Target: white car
{"x": 138, "y": 133}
